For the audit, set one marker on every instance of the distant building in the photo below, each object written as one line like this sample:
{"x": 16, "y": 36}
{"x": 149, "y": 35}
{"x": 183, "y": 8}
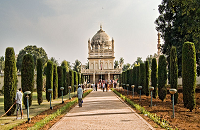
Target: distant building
{"x": 101, "y": 58}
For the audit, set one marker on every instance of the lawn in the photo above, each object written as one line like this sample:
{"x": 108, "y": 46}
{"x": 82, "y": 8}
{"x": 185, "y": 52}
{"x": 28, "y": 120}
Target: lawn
{"x": 8, "y": 122}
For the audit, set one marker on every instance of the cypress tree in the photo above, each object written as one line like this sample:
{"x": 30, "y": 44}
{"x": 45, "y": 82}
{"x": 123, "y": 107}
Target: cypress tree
{"x": 75, "y": 80}
{"x": 71, "y": 73}
{"x": 154, "y": 77}
{"x": 60, "y": 79}
{"x": 55, "y": 82}
{"x": 134, "y": 75}
{"x": 68, "y": 80}
{"x": 162, "y": 78}
{"x": 39, "y": 81}
{"x": 174, "y": 72}
{"x": 82, "y": 79}
{"x": 49, "y": 79}
{"x": 27, "y": 78}
{"x": 147, "y": 77}
{"x": 189, "y": 75}
{"x": 79, "y": 78}
{"x": 137, "y": 78}
{"x": 143, "y": 77}
{"x": 65, "y": 81}
{"x": 10, "y": 80}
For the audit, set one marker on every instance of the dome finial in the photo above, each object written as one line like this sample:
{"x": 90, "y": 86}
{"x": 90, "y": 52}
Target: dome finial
{"x": 101, "y": 26}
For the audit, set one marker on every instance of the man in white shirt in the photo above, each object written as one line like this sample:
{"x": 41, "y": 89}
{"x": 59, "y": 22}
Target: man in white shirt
{"x": 18, "y": 101}
{"x": 80, "y": 95}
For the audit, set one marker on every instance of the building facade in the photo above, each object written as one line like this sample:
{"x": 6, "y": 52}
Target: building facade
{"x": 101, "y": 58}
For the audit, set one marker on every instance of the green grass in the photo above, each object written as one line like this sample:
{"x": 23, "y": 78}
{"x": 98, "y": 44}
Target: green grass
{"x": 8, "y": 122}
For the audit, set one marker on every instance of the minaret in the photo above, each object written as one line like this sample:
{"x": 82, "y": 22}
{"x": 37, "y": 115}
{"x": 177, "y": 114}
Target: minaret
{"x": 113, "y": 47}
{"x": 158, "y": 45}
{"x": 89, "y": 47}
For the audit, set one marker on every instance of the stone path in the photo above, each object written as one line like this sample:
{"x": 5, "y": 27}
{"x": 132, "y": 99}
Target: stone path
{"x": 102, "y": 110}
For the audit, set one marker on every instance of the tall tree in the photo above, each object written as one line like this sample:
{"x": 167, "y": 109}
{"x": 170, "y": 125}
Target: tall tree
{"x": 154, "y": 77}
{"x": 1, "y": 64}
{"x": 39, "y": 81}
{"x": 147, "y": 78}
{"x": 174, "y": 72}
{"x": 27, "y": 77}
{"x": 143, "y": 78}
{"x": 189, "y": 75}
{"x": 55, "y": 82}
{"x": 65, "y": 64}
{"x": 60, "y": 79}
{"x": 54, "y": 61}
{"x": 10, "y": 80}
{"x": 121, "y": 61}
{"x": 162, "y": 78}
{"x": 116, "y": 64}
{"x": 77, "y": 66}
{"x": 176, "y": 21}
{"x": 49, "y": 79}
{"x": 35, "y": 52}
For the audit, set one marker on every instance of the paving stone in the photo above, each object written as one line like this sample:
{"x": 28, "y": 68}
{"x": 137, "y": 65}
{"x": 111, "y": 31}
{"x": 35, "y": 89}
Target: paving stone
{"x": 102, "y": 111}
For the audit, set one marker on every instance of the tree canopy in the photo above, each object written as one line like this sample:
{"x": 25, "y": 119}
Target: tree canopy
{"x": 35, "y": 52}
{"x": 77, "y": 66}
{"x": 178, "y": 22}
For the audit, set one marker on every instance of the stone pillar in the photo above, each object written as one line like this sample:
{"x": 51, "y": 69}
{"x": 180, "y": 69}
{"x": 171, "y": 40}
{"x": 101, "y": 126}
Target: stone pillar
{"x": 94, "y": 77}
{"x": 109, "y": 76}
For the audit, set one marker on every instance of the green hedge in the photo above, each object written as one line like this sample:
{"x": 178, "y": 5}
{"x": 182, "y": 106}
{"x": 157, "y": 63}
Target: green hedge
{"x": 27, "y": 77}
{"x": 75, "y": 81}
{"x": 10, "y": 80}
{"x": 162, "y": 78}
{"x": 71, "y": 79}
{"x": 174, "y": 72}
{"x": 65, "y": 81}
{"x": 143, "y": 77}
{"x": 60, "y": 79}
{"x": 154, "y": 77}
{"x": 147, "y": 78}
{"x": 55, "y": 82}
{"x": 189, "y": 75}
{"x": 39, "y": 81}
{"x": 49, "y": 79}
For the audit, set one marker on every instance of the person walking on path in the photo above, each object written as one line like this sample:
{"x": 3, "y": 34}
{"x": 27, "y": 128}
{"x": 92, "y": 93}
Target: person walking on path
{"x": 80, "y": 95}
{"x": 106, "y": 87}
{"x": 18, "y": 101}
{"x": 96, "y": 86}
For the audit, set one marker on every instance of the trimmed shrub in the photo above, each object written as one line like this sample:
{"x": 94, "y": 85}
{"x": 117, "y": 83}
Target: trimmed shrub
{"x": 27, "y": 77}
{"x": 71, "y": 79}
{"x": 147, "y": 78}
{"x": 154, "y": 77}
{"x": 39, "y": 81}
{"x": 137, "y": 78}
{"x": 75, "y": 81}
{"x": 55, "y": 82}
{"x": 79, "y": 78}
{"x": 60, "y": 79}
{"x": 162, "y": 78}
{"x": 174, "y": 72}
{"x": 189, "y": 75}
{"x": 65, "y": 80}
{"x": 10, "y": 80}
{"x": 65, "y": 64}
{"x": 134, "y": 76}
{"x": 82, "y": 79}
{"x": 68, "y": 80}
{"x": 49, "y": 79}
{"x": 143, "y": 78}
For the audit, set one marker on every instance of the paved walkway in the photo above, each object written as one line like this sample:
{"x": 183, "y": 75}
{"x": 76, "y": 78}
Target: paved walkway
{"x": 102, "y": 110}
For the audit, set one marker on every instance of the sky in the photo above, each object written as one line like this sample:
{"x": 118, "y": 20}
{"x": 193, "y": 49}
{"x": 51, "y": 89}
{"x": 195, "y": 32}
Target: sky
{"x": 62, "y": 27}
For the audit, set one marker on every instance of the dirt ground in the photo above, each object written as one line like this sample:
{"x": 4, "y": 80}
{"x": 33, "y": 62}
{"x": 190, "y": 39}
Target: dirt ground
{"x": 184, "y": 119}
